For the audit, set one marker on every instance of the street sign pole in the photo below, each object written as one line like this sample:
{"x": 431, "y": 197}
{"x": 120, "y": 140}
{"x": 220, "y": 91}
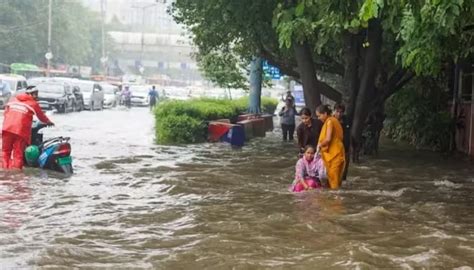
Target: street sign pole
{"x": 49, "y": 55}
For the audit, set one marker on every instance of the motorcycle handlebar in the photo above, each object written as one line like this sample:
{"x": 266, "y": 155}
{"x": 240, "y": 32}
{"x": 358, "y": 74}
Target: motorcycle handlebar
{"x": 38, "y": 126}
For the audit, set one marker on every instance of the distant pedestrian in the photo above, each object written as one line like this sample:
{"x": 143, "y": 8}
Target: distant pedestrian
{"x": 308, "y": 131}
{"x": 346, "y": 123}
{"x": 289, "y": 96}
{"x": 287, "y": 120}
{"x": 153, "y": 97}
{"x": 127, "y": 96}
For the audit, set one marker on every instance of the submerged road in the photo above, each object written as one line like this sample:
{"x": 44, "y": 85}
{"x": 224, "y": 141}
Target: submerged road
{"x": 134, "y": 205}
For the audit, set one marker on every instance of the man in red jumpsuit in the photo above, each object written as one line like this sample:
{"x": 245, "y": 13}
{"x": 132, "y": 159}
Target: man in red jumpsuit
{"x": 16, "y": 131}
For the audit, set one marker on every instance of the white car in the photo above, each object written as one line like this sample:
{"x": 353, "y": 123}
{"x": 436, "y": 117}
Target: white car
{"x": 140, "y": 95}
{"x": 16, "y": 82}
{"x": 111, "y": 95}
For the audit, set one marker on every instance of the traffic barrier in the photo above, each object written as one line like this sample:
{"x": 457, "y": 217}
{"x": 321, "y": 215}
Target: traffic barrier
{"x": 235, "y": 136}
{"x": 222, "y": 121}
{"x": 248, "y": 116}
{"x": 216, "y": 130}
{"x": 268, "y": 122}
{"x": 247, "y": 126}
{"x": 258, "y": 126}
{"x": 226, "y": 132}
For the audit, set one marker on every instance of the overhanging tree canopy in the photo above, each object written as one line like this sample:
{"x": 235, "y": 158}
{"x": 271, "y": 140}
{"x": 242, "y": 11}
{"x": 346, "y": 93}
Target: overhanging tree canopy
{"x": 375, "y": 47}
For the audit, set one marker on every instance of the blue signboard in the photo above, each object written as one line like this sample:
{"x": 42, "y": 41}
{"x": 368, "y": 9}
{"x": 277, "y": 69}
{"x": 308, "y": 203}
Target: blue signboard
{"x": 270, "y": 71}
{"x": 299, "y": 96}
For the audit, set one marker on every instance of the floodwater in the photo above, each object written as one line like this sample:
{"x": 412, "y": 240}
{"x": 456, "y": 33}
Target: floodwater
{"x": 134, "y": 205}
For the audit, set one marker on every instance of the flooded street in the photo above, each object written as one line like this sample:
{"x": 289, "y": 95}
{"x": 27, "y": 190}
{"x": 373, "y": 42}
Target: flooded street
{"x": 134, "y": 205}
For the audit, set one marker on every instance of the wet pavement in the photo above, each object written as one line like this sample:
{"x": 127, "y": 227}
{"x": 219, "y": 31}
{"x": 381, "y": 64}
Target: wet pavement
{"x": 132, "y": 204}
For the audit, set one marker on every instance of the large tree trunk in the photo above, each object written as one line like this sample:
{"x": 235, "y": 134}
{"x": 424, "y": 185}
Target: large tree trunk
{"x": 351, "y": 72}
{"x": 367, "y": 86}
{"x": 256, "y": 70}
{"x": 304, "y": 59}
{"x": 350, "y": 82}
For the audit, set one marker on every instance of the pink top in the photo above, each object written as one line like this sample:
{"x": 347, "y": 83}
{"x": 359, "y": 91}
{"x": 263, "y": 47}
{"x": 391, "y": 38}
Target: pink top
{"x": 308, "y": 169}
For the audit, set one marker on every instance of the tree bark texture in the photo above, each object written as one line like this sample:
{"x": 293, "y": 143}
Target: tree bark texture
{"x": 351, "y": 72}
{"x": 256, "y": 77}
{"x": 367, "y": 88}
{"x": 304, "y": 59}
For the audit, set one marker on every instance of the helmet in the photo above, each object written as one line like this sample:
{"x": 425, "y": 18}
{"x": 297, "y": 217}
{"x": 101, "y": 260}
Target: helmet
{"x": 32, "y": 153}
{"x": 31, "y": 89}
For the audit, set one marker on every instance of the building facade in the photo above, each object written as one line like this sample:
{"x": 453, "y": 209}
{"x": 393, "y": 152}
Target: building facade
{"x": 153, "y": 44}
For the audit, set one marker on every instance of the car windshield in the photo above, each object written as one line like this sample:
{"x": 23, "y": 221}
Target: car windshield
{"x": 108, "y": 89}
{"x": 11, "y": 83}
{"x": 50, "y": 88}
{"x": 139, "y": 89}
{"x": 85, "y": 87}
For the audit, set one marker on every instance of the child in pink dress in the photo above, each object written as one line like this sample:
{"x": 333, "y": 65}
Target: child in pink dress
{"x": 307, "y": 171}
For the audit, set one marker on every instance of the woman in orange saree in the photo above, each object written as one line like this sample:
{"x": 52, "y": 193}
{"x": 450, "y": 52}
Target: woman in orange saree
{"x": 331, "y": 147}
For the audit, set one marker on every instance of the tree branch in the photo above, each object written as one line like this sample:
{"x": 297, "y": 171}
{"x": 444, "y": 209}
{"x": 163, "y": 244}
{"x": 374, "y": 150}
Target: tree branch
{"x": 396, "y": 82}
{"x": 329, "y": 92}
{"x": 329, "y": 65}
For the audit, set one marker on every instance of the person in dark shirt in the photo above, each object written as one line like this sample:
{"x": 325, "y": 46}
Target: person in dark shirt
{"x": 308, "y": 130}
{"x": 287, "y": 120}
{"x": 346, "y": 123}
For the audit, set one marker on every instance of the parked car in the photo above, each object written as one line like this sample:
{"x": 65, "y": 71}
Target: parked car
{"x": 16, "y": 82}
{"x": 79, "y": 103}
{"x": 111, "y": 95}
{"x": 140, "y": 95}
{"x": 56, "y": 95}
{"x": 92, "y": 93}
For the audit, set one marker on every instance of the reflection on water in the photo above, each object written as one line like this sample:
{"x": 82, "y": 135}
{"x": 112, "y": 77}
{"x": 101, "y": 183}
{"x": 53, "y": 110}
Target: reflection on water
{"x": 14, "y": 192}
{"x": 132, "y": 204}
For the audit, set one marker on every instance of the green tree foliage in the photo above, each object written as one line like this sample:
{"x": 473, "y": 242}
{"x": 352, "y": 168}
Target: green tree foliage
{"x": 418, "y": 114}
{"x": 224, "y": 69}
{"x": 76, "y": 32}
{"x": 433, "y": 32}
{"x": 374, "y": 47}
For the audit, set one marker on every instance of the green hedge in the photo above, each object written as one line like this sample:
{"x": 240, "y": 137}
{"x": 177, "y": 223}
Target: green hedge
{"x": 268, "y": 105}
{"x": 180, "y": 121}
{"x": 179, "y": 129}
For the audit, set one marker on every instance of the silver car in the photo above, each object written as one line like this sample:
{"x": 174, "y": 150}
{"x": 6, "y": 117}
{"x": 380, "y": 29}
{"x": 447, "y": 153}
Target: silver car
{"x": 111, "y": 95}
{"x": 140, "y": 95}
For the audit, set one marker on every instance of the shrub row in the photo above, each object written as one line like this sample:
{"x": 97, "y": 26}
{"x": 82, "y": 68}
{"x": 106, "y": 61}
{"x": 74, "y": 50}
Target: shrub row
{"x": 419, "y": 119}
{"x": 181, "y": 122}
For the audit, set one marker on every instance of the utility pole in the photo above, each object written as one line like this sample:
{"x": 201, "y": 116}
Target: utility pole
{"x": 103, "y": 59}
{"x": 49, "y": 54}
{"x": 142, "y": 49}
